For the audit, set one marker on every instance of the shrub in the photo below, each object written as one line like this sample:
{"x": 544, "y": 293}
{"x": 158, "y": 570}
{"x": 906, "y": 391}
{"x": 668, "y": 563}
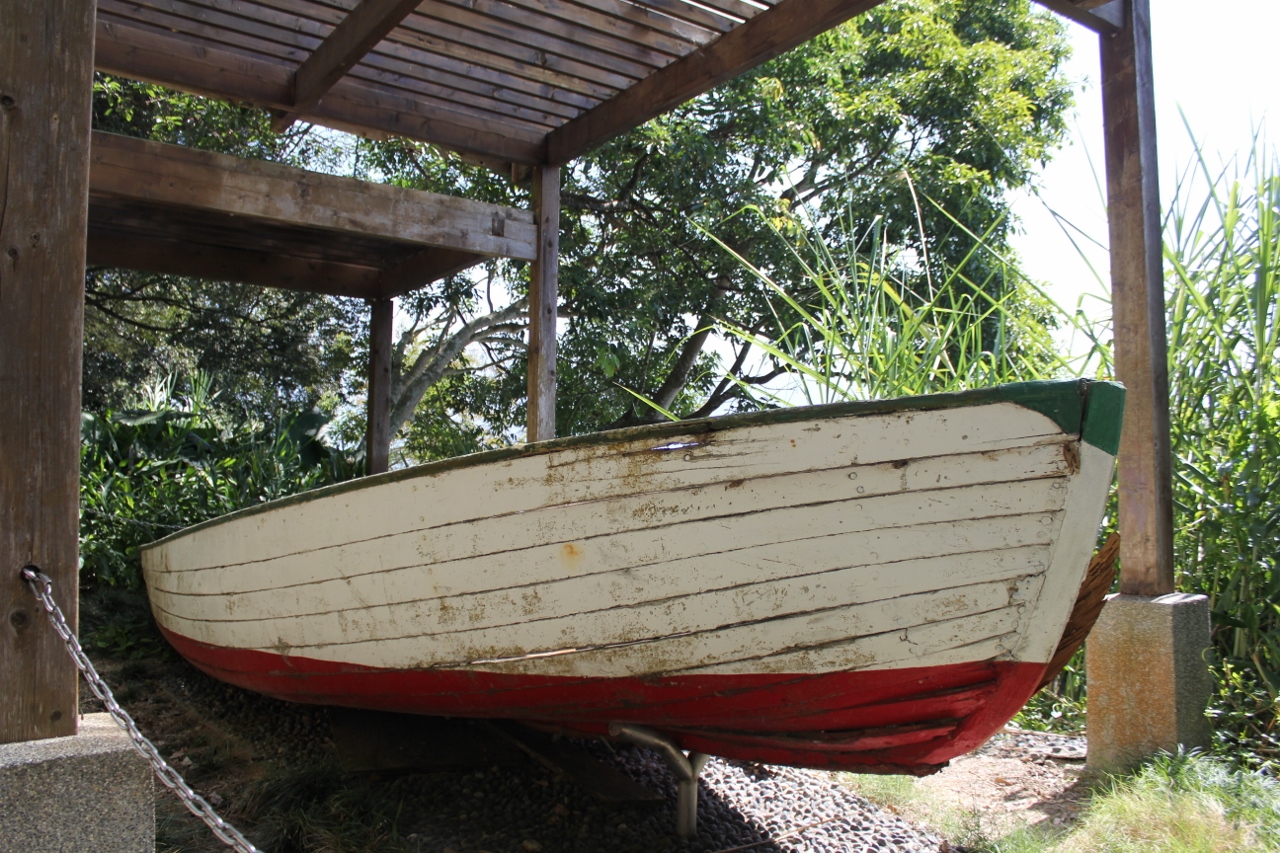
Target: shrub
{"x": 174, "y": 461}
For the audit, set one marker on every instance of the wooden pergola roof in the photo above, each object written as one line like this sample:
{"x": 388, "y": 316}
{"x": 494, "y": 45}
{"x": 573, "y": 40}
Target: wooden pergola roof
{"x": 508, "y": 81}
{"x": 504, "y": 82}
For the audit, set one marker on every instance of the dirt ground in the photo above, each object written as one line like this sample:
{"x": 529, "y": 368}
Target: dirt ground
{"x": 1018, "y": 779}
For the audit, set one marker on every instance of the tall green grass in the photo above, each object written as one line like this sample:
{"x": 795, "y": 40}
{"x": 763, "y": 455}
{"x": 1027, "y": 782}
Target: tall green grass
{"x": 1222, "y": 246}
{"x": 874, "y": 319}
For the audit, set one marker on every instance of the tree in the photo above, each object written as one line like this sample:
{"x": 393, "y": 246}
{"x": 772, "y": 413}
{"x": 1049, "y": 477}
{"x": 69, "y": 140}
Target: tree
{"x": 963, "y": 97}
{"x": 945, "y": 100}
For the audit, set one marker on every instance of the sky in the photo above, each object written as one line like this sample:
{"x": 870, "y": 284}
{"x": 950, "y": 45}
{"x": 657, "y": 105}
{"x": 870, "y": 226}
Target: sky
{"x": 1217, "y": 62}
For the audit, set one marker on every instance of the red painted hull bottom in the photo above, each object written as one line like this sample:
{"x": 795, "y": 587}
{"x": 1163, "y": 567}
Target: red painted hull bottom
{"x": 883, "y": 721}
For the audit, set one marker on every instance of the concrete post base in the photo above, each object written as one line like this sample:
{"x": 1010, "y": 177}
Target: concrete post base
{"x": 1149, "y": 682}
{"x": 89, "y": 793}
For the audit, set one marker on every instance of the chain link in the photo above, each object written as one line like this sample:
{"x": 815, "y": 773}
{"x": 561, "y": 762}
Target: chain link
{"x": 42, "y": 587}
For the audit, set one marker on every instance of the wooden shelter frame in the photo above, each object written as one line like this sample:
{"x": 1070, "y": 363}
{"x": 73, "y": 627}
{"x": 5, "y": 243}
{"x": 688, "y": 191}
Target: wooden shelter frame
{"x": 512, "y": 84}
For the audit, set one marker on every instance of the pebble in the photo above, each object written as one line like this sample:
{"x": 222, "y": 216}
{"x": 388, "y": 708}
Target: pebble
{"x": 1039, "y": 744}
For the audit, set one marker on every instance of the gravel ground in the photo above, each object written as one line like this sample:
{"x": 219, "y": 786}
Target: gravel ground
{"x": 740, "y": 807}
{"x": 1038, "y": 744}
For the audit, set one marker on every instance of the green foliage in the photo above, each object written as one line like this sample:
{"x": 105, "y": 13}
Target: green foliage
{"x": 1060, "y": 706}
{"x": 177, "y": 460}
{"x": 872, "y": 321}
{"x": 964, "y": 96}
{"x": 1185, "y": 803}
{"x": 1222, "y": 246}
{"x": 1178, "y": 803}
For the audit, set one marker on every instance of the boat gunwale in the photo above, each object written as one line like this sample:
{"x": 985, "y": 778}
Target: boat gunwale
{"x": 1061, "y": 400}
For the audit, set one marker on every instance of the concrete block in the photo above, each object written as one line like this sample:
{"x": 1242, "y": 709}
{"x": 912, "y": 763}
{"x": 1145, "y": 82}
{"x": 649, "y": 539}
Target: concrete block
{"x": 1148, "y": 679}
{"x": 89, "y": 793}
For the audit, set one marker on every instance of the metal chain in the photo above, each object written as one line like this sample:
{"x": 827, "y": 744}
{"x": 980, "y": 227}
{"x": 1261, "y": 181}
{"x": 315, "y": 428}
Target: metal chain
{"x": 42, "y": 587}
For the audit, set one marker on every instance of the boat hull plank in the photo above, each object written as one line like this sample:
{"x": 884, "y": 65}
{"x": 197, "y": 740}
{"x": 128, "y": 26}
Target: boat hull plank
{"x": 708, "y": 713}
{"x": 339, "y": 516}
{"x": 633, "y": 569}
{"x": 610, "y": 518}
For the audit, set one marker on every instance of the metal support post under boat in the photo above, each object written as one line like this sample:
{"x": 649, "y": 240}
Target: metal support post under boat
{"x": 543, "y": 302}
{"x": 378, "y": 431}
{"x": 686, "y": 768}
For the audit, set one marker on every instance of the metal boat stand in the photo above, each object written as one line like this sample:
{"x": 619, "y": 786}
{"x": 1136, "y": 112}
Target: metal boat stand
{"x": 686, "y": 768}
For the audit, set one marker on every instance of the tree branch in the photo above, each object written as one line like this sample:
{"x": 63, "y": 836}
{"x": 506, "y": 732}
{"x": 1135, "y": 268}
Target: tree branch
{"x": 431, "y": 364}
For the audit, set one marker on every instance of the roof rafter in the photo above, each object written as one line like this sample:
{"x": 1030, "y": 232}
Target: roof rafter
{"x": 159, "y": 173}
{"x": 768, "y": 34}
{"x": 167, "y": 208}
{"x": 362, "y": 29}
{"x": 1102, "y": 16}
{"x": 124, "y": 249}
{"x": 204, "y": 69}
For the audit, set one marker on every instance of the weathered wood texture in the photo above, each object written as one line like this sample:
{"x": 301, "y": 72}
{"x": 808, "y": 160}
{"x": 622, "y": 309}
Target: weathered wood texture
{"x": 1137, "y": 298}
{"x": 204, "y": 67}
{"x": 757, "y": 550}
{"x": 185, "y": 178}
{"x": 123, "y": 249}
{"x": 480, "y": 76}
{"x": 378, "y": 409}
{"x": 521, "y": 81}
{"x": 544, "y": 303}
{"x": 169, "y": 209}
{"x": 366, "y": 25}
{"x": 846, "y": 586}
{"x": 1086, "y": 13}
{"x": 46, "y": 65}
{"x": 765, "y": 36}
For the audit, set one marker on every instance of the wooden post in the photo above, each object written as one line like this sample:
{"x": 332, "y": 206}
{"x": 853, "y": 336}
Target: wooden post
{"x": 1137, "y": 298}
{"x": 543, "y": 301}
{"x": 378, "y": 430}
{"x": 46, "y": 76}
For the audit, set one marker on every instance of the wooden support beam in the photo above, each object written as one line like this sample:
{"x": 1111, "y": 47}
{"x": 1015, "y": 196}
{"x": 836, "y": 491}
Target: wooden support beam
{"x": 158, "y": 174}
{"x": 362, "y": 29}
{"x": 423, "y": 268}
{"x": 221, "y": 263}
{"x": 46, "y": 76}
{"x": 1094, "y": 14}
{"x": 378, "y": 429}
{"x": 1137, "y": 298}
{"x": 768, "y": 34}
{"x": 543, "y": 305}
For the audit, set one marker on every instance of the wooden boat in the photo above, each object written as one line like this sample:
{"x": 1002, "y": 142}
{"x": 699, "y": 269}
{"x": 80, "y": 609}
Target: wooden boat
{"x": 875, "y": 586}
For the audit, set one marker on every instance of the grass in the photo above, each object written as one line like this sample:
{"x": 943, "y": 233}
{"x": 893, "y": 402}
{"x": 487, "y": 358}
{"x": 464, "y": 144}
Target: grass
{"x": 1182, "y": 803}
{"x": 873, "y": 320}
{"x": 904, "y": 796}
